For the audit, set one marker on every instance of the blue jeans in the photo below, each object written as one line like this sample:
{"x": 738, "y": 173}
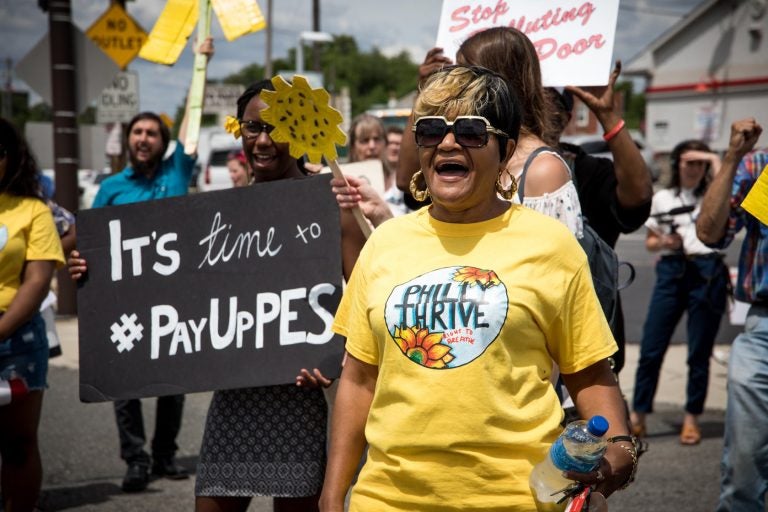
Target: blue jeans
{"x": 744, "y": 468}
{"x": 698, "y": 286}
{"x": 25, "y": 354}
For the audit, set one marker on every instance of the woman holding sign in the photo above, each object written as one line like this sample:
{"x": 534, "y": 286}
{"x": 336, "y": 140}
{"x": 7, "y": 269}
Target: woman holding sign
{"x": 268, "y": 441}
{"x": 30, "y": 249}
{"x": 449, "y": 356}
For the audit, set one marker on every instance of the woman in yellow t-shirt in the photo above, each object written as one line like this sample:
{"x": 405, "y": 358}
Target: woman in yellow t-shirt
{"x": 453, "y": 316}
{"x": 30, "y": 249}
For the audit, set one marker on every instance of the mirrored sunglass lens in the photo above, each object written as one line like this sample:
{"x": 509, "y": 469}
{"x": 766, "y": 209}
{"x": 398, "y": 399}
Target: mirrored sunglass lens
{"x": 430, "y": 132}
{"x": 255, "y": 127}
{"x": 471, "y": 132}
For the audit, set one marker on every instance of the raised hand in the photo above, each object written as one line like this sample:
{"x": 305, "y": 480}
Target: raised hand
{"x": 433, "y": 62}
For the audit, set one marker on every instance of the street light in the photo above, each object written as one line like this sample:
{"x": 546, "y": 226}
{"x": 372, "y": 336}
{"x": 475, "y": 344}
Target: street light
{"x": 315, "y": 37}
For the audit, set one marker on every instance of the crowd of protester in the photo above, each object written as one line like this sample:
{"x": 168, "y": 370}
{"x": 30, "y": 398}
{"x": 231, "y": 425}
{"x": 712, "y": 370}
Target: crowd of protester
{"x": 481, "y": 187}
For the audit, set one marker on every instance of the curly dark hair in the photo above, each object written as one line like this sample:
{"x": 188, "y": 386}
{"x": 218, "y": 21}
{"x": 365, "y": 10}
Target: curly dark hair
{"x": 253, "y": 90}
{"x": 20, "y": 177}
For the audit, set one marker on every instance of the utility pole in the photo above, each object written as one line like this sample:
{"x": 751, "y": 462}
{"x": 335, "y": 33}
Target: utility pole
{"x": 65, "y": 135}
{"x": 268, "y": 60}
{"x": 315, "y": 28}
{"x": 8, "y": 96}
{"x": 117, "y": 162}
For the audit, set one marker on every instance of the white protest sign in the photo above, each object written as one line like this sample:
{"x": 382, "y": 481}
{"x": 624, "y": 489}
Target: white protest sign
{"x": 574, "y": 38}
{"x": 119, "y": 102}
{"x": 371, "y": 171}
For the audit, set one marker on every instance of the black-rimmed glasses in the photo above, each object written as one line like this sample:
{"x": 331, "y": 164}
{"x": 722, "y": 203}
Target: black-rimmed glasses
{"x": 469, "y": 131}
{"x": 252, "y": 129}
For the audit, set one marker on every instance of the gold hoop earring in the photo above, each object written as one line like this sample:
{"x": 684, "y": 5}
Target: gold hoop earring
{"x": 419, "y": 195}
{"x": 509, "y": 193}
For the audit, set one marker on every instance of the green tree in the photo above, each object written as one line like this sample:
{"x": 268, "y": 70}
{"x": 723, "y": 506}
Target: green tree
{"x": 371, "y": 77}
{"x": 634, "y": 105}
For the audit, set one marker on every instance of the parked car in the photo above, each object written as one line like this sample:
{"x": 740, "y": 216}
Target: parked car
{"x": 90, "y": 187}
{"x": 593, "y": 144}
{"x": 88, "y": 182}
{"x": 214, "y": 174}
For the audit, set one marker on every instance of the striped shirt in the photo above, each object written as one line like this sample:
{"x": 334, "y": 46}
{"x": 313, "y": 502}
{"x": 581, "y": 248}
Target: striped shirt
{"x": 752, "y": 285}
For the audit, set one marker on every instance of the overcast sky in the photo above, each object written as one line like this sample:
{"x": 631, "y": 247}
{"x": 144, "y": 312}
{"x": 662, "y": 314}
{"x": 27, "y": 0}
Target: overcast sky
{"x": 390, "y": 25}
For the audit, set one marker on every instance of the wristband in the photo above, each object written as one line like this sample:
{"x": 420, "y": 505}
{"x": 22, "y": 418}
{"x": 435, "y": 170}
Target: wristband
{"x": 607, "y": 136}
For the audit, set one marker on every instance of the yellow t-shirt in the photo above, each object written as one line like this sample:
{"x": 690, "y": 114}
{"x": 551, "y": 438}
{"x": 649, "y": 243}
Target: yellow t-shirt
{"x": 463, "y": 322}
{"x": 27, "y": 233}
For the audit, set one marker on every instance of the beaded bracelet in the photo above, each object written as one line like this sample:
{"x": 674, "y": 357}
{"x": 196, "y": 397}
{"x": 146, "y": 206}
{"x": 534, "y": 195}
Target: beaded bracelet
{"x": 607, "y": 136}
{"x": 632, "y": 453}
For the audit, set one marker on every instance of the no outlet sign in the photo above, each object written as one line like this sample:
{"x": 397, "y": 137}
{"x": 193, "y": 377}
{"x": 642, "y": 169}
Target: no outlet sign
{"x": 118, "y": 35}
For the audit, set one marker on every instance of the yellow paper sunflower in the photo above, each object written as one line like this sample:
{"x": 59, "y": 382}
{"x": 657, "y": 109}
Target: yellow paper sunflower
{"x": 302, "y": 118}
{"x": 232, "y": 125}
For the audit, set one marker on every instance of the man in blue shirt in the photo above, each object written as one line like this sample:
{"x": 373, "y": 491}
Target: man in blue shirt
{"x": 743, "y": 481}
{"x": 149, "y": 177}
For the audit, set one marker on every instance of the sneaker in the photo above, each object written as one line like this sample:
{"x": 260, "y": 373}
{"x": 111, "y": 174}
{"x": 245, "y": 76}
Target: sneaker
{"x": 720, "y": 356}
{"x": 136, "y": 477}
{"x": 168, "y": 468}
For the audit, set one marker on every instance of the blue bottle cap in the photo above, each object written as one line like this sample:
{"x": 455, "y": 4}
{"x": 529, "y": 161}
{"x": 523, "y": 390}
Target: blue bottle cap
{"x": 597, "y": 426}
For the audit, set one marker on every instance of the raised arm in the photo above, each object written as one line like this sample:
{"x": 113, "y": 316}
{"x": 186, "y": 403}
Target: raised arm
{"x": 408, "y": 163}
{"x": 635, "y": 185}
{"x": 716, "y": 205}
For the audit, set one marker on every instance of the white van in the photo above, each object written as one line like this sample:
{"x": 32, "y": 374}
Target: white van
{"x": 214, "y": 174}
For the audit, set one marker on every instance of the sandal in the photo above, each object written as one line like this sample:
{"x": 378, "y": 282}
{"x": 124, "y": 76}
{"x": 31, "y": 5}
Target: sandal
{"x": 690, "y": 435}
{"x": 639, "y": 430}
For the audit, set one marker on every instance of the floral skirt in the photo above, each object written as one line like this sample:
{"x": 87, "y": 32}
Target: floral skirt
{"x": 268, "y": 441}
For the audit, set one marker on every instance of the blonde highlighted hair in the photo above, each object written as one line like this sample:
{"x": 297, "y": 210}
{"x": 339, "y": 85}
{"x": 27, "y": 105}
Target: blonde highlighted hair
{"x": 463, "y": 91}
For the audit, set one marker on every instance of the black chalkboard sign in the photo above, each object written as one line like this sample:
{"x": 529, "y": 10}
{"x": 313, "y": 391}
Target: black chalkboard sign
{"x": 218, "y": 290}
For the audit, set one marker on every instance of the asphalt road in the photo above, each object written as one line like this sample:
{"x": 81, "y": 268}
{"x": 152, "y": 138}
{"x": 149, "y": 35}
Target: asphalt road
{"x": 83, "y": 471}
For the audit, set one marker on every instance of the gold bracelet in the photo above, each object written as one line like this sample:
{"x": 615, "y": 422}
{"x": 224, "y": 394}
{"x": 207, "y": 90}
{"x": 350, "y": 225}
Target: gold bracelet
{"x": 632, "y": 451}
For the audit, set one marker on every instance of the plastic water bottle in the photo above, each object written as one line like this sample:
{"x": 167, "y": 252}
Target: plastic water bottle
{"x": 579, "y": 448}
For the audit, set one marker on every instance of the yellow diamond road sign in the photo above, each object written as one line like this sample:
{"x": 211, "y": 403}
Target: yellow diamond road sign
{"x": 118, "y": 35}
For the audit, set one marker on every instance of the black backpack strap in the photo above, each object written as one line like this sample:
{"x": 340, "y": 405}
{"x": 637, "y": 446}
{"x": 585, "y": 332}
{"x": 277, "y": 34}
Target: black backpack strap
{"x": 521, "y": 183}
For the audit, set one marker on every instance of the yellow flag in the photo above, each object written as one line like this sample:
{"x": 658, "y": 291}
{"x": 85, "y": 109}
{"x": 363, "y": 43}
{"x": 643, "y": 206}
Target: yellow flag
{"x": 238, "y": 17}
{"x": 756, "y": 201}
{"x": 171, "y": 31}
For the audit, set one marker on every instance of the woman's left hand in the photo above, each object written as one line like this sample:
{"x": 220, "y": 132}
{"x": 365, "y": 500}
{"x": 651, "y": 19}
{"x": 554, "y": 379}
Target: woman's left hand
{"x": 613, "y": 472}
{"x": 599, "y": 99}
{"x": 315, "y": 379}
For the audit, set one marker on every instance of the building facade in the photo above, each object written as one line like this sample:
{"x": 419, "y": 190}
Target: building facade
{"x": 705, "y": 72}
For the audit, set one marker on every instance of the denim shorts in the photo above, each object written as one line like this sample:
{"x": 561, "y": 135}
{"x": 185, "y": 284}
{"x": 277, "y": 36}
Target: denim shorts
{"x": 25, "y": 354}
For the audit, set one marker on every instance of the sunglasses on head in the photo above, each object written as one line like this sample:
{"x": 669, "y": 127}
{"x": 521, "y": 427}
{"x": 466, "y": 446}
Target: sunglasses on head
{"x": 469, "y": 131}
{"x": 251, "y": 129}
